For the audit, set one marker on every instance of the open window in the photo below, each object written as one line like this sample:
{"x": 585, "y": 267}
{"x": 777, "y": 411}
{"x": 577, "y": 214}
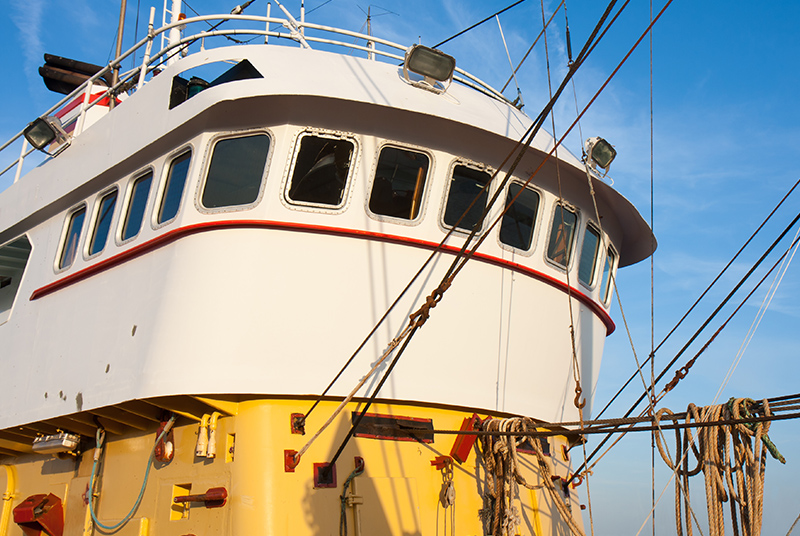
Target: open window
{"x": 562, "y": 233}
{"x": 467, "y": 197}
{"x": 519, "y": 221}
{"x": 321, "y": 169}
{"x": 399, "y": 183}
{"x": 13, "y": 261}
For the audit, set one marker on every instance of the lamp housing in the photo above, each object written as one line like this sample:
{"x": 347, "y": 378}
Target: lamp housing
{"x": 600, "y": 153}
{"x": 44, "y": 131}
{"x": 434, "y": 66}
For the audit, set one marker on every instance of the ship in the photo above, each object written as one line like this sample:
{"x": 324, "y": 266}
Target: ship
{"x": 242, "y": 293}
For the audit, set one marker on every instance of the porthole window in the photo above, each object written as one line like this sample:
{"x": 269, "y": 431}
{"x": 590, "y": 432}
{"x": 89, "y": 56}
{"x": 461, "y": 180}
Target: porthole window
{"x": 102, "y": 222}
{"x": 399, "y": 183}
{"x": 173, "y": 187}
{"x": 236, "y": 171}
{"x": 516, "y": 229}
{"x": 588, "y": 261}
{"x": 73, "y": 235}
{"x": 321, "y": 169}
{"x": 137, "y": 203}
{"x": 608, "y": 270}
{"x": 562, "y": 232}
{"x": 466, "y": 185}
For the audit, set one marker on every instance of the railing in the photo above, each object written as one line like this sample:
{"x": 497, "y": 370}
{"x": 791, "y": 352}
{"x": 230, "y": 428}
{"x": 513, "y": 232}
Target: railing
{"x": 290, "y": 29}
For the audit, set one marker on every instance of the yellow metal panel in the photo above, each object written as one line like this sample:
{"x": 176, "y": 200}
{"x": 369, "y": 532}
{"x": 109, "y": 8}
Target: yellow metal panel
{"x": 8, "y": 498}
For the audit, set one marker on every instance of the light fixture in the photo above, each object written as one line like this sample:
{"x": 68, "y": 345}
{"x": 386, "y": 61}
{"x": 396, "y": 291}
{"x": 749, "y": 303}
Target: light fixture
{"x": 44, "y": 131}
{"x": 433, "y": 65}
{"x": 600, "y": 153}
{"x": 56, "y": 443}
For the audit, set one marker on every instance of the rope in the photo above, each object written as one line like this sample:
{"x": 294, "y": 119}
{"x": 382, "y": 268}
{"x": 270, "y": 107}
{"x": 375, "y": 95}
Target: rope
{"x": 499, "y": 454}
{"x": 100, "y": 441}
{"x": 732, "y": 459}
{"x": 359, "y": 470}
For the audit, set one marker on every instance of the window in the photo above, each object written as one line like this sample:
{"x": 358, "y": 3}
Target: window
{"x": 559, "y": 250}
{"x": 466, "y": 185}
{"x": 173, "y": 188}
{"x": 70, "y": 246}
{"x": 399, "y": 183}
{"x": 516, "y": 229}
{"x": 608, "y": 269}
{"x": 321, "y": 170}
{"x": 102, "y": 223}
{"x": 137, "y": 203}
{"x": 588, "y": 261}
{"x": 235, "y": 173}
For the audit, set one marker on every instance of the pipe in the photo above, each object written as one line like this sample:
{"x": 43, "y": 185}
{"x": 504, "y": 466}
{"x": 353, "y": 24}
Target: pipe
{"x": 201, "y": 450}
{"x": 212, "y": 435}
{"x": 8, "y": 496}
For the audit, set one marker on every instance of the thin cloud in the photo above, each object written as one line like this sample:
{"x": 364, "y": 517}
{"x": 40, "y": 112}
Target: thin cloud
{"x": 27, "y": 17}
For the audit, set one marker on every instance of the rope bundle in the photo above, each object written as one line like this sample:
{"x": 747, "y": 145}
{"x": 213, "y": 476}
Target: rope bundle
{"x": 733, "y": 461}
{"x": 500, "y": 457}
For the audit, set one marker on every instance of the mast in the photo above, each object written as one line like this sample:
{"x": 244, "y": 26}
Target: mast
{"x": 120, "y": 29}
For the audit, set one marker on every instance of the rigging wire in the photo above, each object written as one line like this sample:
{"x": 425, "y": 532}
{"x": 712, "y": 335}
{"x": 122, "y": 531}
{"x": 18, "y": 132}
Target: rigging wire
{"x": 685, "y": 369}
{"x": 652, "y": 285}
{"x": 462, "y": 32}
{"x": 702, "y": 295}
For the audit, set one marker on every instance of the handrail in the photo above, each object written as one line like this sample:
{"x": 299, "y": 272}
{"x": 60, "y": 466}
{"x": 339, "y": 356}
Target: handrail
{"x": 135, "y": 78}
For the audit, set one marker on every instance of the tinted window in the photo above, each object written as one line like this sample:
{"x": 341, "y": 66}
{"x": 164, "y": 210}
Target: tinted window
{"x": 235, "y": 172}
{"x": 320, "y": 171}
{"x": 559, "y": 249}
{"x": 516, "y": 229}
{"x": 140, "y": 190}
{"x": 588, "y": 261}
{"x": 466, "y": 186}
{"x": 605, "y": 285}
{"x": 70, "y": 247}
{"x": 399, "y": 183}
{"x": 173, "y": 189}
{"x": 102, "y": 225}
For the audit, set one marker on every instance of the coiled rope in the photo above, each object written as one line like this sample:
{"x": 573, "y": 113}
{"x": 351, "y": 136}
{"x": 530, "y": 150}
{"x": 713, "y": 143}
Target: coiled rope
{"x": 733, "y": 461}
{"x": 499, "y": 453}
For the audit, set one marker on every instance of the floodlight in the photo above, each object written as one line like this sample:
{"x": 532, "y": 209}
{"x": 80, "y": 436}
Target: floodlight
{"x": 53, "y": 444}
{"x": 433, "y": 65}
{"x": 44, "y": 131}
{"x": 600, "y": 153}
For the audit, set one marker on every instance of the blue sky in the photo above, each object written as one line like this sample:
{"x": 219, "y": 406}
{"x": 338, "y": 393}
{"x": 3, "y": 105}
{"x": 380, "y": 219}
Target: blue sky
{"x": 725, "y": 135}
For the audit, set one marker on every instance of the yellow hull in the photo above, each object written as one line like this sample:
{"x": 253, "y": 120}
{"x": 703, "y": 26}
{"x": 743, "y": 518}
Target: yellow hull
{"x": 400, "y": 491}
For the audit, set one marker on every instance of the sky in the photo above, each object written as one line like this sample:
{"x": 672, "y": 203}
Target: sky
{"x": 725, "y": 130}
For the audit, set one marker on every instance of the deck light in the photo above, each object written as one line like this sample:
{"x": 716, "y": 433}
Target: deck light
{"x": 44, "y": 131}
{"x": 433, "y": 65}
{"x": 600, "y": 153}
{"x": 53, "y": 444}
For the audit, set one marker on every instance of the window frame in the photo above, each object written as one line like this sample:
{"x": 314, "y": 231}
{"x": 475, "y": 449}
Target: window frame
{"x": 166, "y": 167}
{"x": 537, "y": 222}
{"x": 599, "y": 253}
{"x": 606, "y": 300}
{"x": 94, "y": 221}
{"x": 426, "y": 191}
{"x": 126, "y": 206}
{"x": 476, "y": 166}
{"x": 351, "y": 175}
{"x": 205, "y": 166}
{"x": 62, "y": 241}
{"x": 546, "y": 248}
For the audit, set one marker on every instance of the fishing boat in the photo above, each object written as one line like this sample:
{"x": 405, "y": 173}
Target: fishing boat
{"x": 268, "y": 289}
